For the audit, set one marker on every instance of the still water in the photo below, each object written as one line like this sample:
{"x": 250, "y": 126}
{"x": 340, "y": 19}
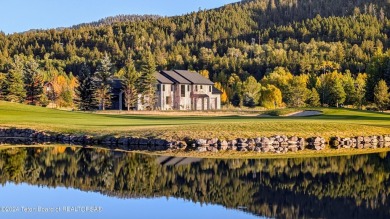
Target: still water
{"x": 70, "y": 182}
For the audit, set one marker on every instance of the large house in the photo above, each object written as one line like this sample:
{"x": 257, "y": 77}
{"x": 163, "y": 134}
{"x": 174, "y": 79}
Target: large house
{"x": 177, "y": 90}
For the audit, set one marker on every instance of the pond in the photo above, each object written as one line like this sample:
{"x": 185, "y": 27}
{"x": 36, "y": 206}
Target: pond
{"x": 73, "y": 182}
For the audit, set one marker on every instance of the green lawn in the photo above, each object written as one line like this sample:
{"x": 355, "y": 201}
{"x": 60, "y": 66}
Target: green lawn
{"x": 334, "y": 122}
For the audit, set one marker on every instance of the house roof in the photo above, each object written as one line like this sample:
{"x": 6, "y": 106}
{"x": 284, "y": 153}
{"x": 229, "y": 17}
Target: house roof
{"x": 194, "y": 78}
{"x": 174, "y": 77}
{"x": 163, "y": 79}
{"x": 216, "y": 91}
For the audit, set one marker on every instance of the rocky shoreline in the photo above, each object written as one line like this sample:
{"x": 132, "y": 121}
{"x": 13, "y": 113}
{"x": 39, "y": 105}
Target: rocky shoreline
{"x": 274, "y": 144}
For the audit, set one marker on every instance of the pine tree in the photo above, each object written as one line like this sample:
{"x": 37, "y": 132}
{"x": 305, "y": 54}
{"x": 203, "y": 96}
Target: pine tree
{"x": 129, "y": 82}
{"x": 148, "y": 81}
{"x": 103, "y": 77}
{"x": 2, "y": 84}
{"x": 85, "y": 98}
{"x": 313, "y": 99}
{"x": 381, "y": 95}
{"x": 14, "y": 86}
{"x": 236, "y": 99}
{"x": 33, "y": 81}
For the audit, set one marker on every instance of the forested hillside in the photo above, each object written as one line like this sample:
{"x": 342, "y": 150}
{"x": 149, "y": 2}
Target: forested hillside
{"x": 310, "y": 38}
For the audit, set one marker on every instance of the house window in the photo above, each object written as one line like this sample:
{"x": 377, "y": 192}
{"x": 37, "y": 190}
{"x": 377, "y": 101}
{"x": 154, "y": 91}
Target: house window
{"x": 196, "y": 87}
{"x": 163, "y": 87}
{"x": 201, "y": 87}
{"x": 188, "y": 88}
{"x": 183, "y": 90}
{"x": 210, "y": 89}
{"x": 158, "y": 88}
{"x": 168, "y": 100}
{"x": 172, "y": 87}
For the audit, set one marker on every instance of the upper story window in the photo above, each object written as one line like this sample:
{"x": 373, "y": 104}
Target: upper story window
{"x": 163, "y": 87}
{"x": 183, "y": 90}
{"x": 188, "y": 88}
{"x": 196, "y": 87}
{"x": 210, "y": 89}
{"x": 201, "y": 87}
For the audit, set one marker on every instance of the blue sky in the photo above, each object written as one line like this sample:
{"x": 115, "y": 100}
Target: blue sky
{"x": 22, "y": 15}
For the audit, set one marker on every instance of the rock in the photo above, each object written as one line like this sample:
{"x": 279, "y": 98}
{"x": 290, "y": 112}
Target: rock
{"x": 251, "y": 142}
{"x": 319, "y": 147}
{"x": 181, "y": 144}
{"x": 201, "y": 149}
{"x": 212, "y": 149}
{"x": 212, "y": 141}
{"x": 233, "y": 143}
{"x": 223, "y": 143}
{"x": 201, "y": 142}
{"x": 367, "y": 139}
{"x": 223, "y": 147}
{"x": 243, "y": 149}
{"x": 233, "y": 148}
{"x": 242, "y": 144}
{"x": 258, "y": 141}
{"x": 265, "y": 149}
{"x": 265, "y": 141}
{"x": 292, "y": 142}
{"x": 251, "y": 147}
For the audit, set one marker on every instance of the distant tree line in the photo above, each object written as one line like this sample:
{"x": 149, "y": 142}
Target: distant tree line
{"x": 234, "y": 46}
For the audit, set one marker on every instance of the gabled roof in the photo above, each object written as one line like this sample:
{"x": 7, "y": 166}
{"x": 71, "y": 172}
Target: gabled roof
{"x": 194, "y": 78}
{"x": 161, "y": 79}
{"x": 174, "y": 77}
{"x": 216, "y": 91}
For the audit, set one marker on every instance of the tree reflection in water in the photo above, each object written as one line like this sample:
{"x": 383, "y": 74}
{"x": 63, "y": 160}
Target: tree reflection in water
{"x": 330, "y": 187}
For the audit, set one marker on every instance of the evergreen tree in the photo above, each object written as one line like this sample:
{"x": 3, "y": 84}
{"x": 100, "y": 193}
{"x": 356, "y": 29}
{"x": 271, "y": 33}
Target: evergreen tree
{"x": 14, "y": 86}
{"x": 85, "y": 90}
{"x": 148, "y": 81}
{"x": 102, "y": 82}
{"x": 381, "y": 95}
{"x": 2, "y": 84}
{"x": 33, "y": 81}
{"x": 313, "y": 98}
{"x": 129, "y": 82}
{"x": 236, "y": 100}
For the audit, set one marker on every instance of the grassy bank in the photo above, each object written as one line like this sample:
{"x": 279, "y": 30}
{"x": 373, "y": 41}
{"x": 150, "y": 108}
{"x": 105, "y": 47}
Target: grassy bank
{"x": 333, "y": 122}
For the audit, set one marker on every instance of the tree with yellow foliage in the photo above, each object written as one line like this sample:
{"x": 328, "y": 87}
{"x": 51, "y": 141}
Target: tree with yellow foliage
{"x": 205, "y": 73}
{"x": 271, "y": 97}
{"x": 224, "y": 97}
